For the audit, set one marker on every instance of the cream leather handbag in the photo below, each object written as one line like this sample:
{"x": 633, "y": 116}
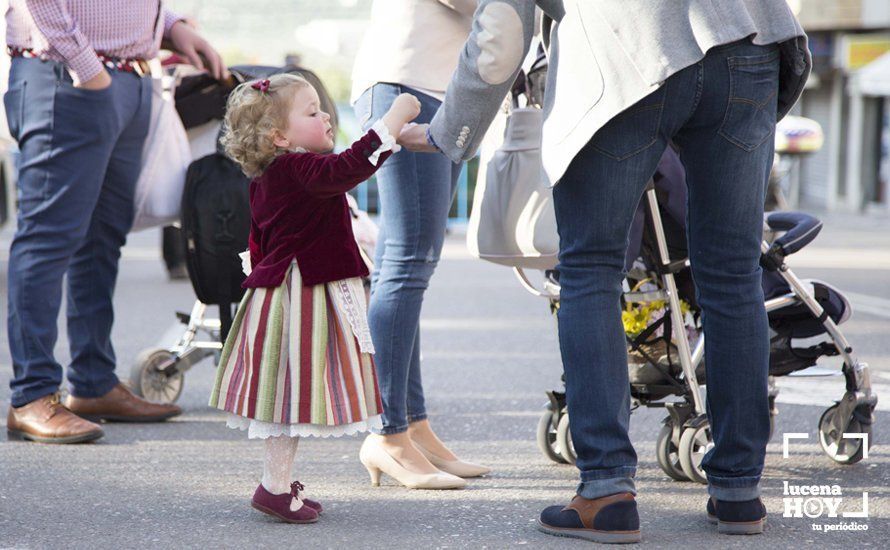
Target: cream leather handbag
{"x": 513, "y": 222}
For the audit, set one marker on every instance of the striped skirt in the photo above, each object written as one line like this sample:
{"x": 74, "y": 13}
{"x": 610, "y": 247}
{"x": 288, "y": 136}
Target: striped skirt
{"x": 296, "y": 364}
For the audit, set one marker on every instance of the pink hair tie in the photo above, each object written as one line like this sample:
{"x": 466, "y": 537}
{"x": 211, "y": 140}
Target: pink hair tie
{"x": 261, "y": 85}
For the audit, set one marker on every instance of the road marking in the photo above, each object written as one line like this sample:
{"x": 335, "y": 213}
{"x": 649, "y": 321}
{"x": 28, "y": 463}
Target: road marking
{"x": 486, "y": 323}
{"x": 142, "y": 253}
{"x": 825, "y": 391}
{"x": 873, "y": 305}
{"x": 842, "y": 258}
{"x": 553, "y": 356}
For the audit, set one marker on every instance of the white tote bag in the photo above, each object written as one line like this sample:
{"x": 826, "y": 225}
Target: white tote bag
{"x": 513, "y": 222}
{"x": 165, "y": 159}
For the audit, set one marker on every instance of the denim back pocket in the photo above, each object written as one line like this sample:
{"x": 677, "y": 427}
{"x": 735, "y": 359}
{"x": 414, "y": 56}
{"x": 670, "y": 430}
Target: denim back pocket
{"x": 753, "y": 94}
{"x": 632, "y": 131}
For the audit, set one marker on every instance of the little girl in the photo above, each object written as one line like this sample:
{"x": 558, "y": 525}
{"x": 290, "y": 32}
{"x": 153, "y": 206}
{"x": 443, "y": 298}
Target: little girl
{"x": 297, "y": 361}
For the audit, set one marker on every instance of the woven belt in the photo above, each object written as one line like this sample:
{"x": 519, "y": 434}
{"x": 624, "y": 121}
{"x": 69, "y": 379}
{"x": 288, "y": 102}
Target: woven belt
{"x": 135, "y": 65}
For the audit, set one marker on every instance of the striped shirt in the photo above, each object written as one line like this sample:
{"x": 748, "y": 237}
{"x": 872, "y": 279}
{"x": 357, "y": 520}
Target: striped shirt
{"x": 72, "y": 31}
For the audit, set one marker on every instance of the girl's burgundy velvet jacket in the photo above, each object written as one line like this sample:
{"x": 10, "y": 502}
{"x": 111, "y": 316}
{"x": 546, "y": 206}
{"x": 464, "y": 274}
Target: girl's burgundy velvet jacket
{"x": 298, "y": 210}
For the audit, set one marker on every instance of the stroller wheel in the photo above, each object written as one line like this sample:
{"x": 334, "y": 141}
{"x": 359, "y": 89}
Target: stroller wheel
{"x": 148, "y": 381}
{"x": 546, "y": 436}
{"x": 843, "y": 450}
{"x": 668, "y": 453}
{"x": 695, "y": 441}
{"x": 564, "y": 440}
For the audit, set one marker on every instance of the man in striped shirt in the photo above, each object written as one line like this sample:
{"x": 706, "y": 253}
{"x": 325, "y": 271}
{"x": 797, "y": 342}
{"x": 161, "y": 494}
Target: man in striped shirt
{"x": 79, "y": 107}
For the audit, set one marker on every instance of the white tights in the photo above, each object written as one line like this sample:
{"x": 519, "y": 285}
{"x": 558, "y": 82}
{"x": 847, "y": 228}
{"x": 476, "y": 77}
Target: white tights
{"x": 278, "y": 462}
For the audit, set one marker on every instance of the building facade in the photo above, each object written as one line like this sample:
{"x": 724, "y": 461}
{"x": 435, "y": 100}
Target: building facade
{"x": 848, "y": 38}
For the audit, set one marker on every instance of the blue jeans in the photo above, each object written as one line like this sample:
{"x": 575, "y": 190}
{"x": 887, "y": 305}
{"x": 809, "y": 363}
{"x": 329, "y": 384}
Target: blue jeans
{"x": 80, "y": 158}
{"x": 416, "y": 191}
{"x": 721, "y": 113}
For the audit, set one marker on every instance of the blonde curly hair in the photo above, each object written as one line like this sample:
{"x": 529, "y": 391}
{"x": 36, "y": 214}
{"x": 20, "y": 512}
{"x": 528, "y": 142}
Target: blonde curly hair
{"x": 252, "y": 116}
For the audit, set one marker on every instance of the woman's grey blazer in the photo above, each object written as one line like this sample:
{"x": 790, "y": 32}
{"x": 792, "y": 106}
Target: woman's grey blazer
{"x": 605, "y": 55}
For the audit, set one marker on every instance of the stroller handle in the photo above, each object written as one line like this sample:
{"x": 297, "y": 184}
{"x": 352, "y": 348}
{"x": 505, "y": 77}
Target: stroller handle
{"x": 800, "y": 229}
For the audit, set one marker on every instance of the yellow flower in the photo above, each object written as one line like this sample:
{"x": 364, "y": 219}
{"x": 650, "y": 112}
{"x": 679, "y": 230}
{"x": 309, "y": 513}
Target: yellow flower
{"x": 635, "y": 320}
{"x": 636, "y": 317}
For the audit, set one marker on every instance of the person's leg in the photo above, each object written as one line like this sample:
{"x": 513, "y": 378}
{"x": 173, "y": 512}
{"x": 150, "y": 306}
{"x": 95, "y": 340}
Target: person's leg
{"x": 92, "y": 273}
{"x": 278, "y": 494}
{"x": 595, "y": 203}
{"x": 173, "y": 250}
{"x": 418, "y": 423}
{"x": 66, "y": 136}
{"x": 415, "y": 197}
{"x": 379, "y": 251}
{"x": 416, "y": 401}
{"x": 727, "y": 150}
{"x": 278, "y": 463}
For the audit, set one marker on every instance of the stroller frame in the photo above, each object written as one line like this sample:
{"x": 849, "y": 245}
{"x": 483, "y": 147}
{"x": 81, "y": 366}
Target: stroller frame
{"x": 157, "y": 374}
{"x": 685, "y": 436}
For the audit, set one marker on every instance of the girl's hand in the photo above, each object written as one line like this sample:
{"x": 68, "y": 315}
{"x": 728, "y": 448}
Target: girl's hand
{"x": 406, "y": 106}
{"x": 404, "y": 109}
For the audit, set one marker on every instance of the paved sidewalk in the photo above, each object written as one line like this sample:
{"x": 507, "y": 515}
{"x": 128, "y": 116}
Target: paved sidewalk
{"x": 490, "y": 352}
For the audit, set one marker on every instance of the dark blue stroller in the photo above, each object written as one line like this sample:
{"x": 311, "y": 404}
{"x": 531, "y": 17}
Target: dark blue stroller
{"x": 666, "y": 354}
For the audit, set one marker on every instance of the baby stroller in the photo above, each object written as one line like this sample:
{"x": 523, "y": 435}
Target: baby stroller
{"x": 666, "y": 350}
{"x": 158, "y": 372}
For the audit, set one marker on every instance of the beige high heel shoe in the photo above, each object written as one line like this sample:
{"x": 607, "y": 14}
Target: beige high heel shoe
{"x": 376, "y": 460}
{"x": 454, "y": 467}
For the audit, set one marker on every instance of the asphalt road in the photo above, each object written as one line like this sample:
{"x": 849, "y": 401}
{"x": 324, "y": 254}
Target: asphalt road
{"x": 490, "y": 352}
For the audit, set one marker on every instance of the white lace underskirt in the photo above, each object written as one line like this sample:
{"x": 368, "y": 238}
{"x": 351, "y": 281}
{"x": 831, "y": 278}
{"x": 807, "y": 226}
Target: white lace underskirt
{"x": 262, "y": 430}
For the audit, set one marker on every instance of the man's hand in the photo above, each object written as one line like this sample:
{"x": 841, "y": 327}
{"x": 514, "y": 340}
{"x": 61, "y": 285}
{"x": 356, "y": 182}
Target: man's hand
{"x": 189, "y": 43}
{"x": 98, "y": 82}
{"x": 413, "y": 138}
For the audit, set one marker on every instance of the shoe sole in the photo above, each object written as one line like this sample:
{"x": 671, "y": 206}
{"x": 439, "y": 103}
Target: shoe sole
{"x": 274, "y": 514}
{"x": 14, "y": 435}
{"x": 738, "y": 527}
{"x": 605, "y": 537}
{"x": 126, "y": 419}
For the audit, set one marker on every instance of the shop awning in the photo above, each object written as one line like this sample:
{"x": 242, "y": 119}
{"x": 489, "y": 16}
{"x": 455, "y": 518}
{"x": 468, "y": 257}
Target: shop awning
{"x": 873, "y": 79}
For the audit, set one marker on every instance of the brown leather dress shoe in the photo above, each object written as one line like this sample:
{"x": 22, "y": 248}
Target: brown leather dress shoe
{"x": 46, "y": 420}
{"x": 121, "y": 405}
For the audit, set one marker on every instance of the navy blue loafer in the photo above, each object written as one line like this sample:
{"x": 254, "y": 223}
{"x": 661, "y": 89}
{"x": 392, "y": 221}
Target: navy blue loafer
{"x": 611, "y": 519}
{"x": 737, "y": 518}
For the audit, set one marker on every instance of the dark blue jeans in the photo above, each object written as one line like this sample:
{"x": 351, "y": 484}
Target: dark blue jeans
{"x": 721, "y": 113}
{"x": 80, "y": 158}
{"x": 416, "y": 191}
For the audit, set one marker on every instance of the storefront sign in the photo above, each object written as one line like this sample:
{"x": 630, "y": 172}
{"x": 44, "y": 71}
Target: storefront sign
{"x": 861, "y": 49}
